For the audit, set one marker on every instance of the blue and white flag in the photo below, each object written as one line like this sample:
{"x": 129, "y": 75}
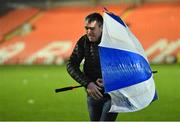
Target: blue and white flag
{"x": 125, "y": 68}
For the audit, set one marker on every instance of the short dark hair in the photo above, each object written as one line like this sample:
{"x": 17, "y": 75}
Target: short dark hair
{"x": 94, "y": 17}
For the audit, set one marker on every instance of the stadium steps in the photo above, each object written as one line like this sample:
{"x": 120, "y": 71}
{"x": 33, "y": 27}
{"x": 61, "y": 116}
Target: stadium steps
{"x": 10, "y": 23}
{"x": 152, "y": 22}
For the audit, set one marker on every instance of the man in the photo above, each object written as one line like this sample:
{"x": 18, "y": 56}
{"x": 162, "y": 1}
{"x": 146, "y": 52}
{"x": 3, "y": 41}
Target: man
{"x": 87, "y": 48}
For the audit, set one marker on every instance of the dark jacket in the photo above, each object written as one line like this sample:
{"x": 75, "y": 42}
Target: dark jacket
{"x": 84, "y": 49}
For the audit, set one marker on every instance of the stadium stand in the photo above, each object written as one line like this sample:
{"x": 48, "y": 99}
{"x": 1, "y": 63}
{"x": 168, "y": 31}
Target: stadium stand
{"x": 157, "y": 22}
{"x": 15, "y": 18}
{"x": 58, "y": 24}
{"x": 56, "y": 30}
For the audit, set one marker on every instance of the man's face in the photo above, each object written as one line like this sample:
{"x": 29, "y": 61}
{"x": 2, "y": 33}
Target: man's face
{"x": 93, "y": 30}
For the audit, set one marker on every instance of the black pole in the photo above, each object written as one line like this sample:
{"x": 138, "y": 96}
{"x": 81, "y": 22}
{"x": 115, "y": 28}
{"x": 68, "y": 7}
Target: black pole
{"x": 73, "y": 87}
{"x": 66, "y": 88}
{"x": 154, "y": 71}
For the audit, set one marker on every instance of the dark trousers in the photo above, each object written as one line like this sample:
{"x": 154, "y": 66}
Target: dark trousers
{"x": 99, "y": 109}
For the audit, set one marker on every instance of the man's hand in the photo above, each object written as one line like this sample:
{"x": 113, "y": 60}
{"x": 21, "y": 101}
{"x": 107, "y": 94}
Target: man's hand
{"x": 94, "y": 91}
{"x": 99, "y": 82}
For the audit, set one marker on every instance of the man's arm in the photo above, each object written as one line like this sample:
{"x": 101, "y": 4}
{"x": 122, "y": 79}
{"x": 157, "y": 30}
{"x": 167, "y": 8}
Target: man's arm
{"x": 73, "y": 68}
{"x": 73, "y": 64}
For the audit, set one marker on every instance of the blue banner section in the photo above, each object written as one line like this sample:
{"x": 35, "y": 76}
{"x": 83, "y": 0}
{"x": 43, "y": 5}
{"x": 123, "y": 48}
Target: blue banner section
{"x": 122, "y": 68}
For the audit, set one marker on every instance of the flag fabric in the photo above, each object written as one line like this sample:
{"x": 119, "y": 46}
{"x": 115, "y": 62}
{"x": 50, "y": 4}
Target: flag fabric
{"x": 126, "y": 72}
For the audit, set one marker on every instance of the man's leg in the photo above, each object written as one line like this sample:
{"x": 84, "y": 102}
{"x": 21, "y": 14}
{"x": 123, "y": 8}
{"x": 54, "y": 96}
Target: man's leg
{"x": 106, "y": 116}
{"x": 94, "y": 108}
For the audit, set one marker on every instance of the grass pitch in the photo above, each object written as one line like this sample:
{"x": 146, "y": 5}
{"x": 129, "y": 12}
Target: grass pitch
{"x": 27, "y": 93}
